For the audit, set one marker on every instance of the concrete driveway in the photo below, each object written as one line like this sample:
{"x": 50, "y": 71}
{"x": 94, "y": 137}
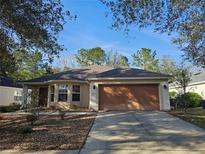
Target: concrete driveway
{"x": 143, "y": 132}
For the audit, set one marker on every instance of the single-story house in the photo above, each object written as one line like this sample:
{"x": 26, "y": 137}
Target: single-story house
{"x": 10, "y": 91}
{"x": 196, "y": 85}
{"x": 103, "y": 88}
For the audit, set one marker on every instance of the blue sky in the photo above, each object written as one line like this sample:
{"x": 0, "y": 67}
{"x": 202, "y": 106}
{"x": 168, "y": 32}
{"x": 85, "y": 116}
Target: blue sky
{"x": 92, "y": 29}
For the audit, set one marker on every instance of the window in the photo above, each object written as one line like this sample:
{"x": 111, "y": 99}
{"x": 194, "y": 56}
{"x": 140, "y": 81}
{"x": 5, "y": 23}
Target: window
{"x": 17, "y": 96}
{"x": 76, "y": 93}
{"x": 52, "y": 94}
{"x": 63, "y": 92}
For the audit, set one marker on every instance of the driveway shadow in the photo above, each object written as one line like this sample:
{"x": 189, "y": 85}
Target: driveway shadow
{"x": 141, "y": 131}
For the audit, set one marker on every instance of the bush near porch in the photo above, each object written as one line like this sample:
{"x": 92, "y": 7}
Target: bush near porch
{"x": 10, "y": 108}
{"x": 49, "y": 132}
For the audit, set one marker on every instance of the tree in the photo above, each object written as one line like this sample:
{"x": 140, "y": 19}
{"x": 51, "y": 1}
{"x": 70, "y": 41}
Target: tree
{"x": 29, "y": 65}
{"x": 94, "y": 56}
{"x": 55, "y": 70}
{"x": 167, "y": 65}
{"x": 30, "y": 25}
{"x": 66, "y": 62}
{"x": 116, "y": 60}
{"x": 7, "y": 64}
{"x": 183, "y": 77}
{"x": 146, "y": 59}
{"x": 186, "y": 18}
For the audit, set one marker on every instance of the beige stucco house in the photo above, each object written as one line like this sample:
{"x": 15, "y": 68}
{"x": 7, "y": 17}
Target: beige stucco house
{"x": 10, "y": 91}
{"x": 196, "y": 85}
{"x": 103, "y": 88}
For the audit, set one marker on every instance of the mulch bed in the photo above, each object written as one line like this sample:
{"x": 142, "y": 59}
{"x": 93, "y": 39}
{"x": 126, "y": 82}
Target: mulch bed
{"x": 49, "y": 132}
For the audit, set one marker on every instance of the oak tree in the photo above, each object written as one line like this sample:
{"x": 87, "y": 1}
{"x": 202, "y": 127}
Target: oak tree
{"x": 30, "y": 25}
{"x": 183, "y": 18}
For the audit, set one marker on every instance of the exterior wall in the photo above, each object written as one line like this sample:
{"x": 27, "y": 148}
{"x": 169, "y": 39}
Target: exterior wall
{"x": 84, "y": 94}
{"x": 197, "y": 88}
{"x": 164, "y": 96}
{"x": 163, "y": 92}
{"x": 94, "y": 98}
{"x": 200, "y": 89}
{"x": 7, "y": 95}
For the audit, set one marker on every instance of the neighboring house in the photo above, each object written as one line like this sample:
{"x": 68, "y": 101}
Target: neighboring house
{"x": 103, "y": 88}
{"x": 10, "y": 91}
{"x": 196, "y": 85}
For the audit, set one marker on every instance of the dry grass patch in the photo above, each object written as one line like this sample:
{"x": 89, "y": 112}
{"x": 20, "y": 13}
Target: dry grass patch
{"x": 48, "y": 133}
{"x": 193, "y": 115}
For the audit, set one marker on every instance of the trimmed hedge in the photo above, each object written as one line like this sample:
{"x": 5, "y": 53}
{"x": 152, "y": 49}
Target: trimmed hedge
{"x": 191, "y": 99}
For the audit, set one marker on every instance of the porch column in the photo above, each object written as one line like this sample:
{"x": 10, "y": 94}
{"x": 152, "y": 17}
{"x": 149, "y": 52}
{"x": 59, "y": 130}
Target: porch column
{"x": 69, "y": 93}
{"x": 93, "y": 96}
{"x": 25, "y": 95}
{"x": 55, "y": 93}
{"x": 49, "y": 98}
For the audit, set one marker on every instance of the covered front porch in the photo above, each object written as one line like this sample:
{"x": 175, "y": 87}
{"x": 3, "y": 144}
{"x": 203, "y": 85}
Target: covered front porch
{"x": 36, "y": 95}
{"x": 61, "y": 94}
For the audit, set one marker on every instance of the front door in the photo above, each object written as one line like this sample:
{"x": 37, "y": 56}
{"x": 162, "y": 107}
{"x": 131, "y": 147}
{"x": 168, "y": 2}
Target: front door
{"x": 43, "y": 96}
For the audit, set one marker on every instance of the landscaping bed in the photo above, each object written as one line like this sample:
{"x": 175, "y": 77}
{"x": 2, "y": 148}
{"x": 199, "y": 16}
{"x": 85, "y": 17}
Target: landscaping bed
{"x": 193, "y": 115}
{"x": 49, "y": 132}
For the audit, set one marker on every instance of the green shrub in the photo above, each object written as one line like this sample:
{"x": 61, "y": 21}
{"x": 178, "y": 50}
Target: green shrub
{"x": 10, "y": 108}
{"x": 191, "y": 99}
{"x": 173, "y": 94}
{"x": 25, "y": 129}
{"x": 6, "y": 109}
{"x": 16, "y": 106}
{"x": 31, "y": 118}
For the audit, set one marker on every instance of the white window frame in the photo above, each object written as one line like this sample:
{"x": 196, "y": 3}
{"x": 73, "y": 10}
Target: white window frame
{"x": 17, "y": 96}
{"x": 75, "y": 93}
{"x": 62, "y": 90}
{"x": 52, "y": 93}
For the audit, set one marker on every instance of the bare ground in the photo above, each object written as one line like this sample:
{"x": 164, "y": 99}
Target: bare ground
{"x": 49, "y": 132}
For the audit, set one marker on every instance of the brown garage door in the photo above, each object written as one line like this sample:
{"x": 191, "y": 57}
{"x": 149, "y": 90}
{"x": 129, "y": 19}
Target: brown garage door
{"x": 129, "y": 97}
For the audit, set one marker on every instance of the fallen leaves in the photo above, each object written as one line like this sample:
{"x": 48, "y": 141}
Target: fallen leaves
{"x": 49, "y": 132}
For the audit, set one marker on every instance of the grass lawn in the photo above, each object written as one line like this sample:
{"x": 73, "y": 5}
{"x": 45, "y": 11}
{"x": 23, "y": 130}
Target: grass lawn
{"x": 49, "y": 132}
{"x": 193, "y": 115}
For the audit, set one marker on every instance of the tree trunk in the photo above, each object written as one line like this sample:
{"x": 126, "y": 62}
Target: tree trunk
{"x": 185, "y": 103}
{"x": 184, "y": 89}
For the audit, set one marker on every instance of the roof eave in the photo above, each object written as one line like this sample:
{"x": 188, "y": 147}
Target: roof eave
{"x": 130, "y": 78}
{"x": 33, "y": 83}
{"x": 76, "y": 81}
{"x": 51, "y": 81}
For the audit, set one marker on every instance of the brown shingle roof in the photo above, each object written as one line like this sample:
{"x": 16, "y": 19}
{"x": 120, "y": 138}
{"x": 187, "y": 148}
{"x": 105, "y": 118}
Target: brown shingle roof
{"x": 9, "y": 82}
{"x": 97, "y": 71}
{"x": 130, "y": 72}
